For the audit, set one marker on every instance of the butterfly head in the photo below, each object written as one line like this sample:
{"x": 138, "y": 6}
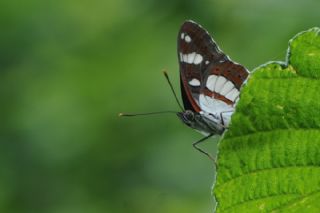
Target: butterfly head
{"x": 187, "y": 117}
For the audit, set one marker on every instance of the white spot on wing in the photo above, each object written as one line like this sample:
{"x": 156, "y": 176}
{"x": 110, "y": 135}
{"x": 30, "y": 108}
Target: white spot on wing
{"x": 185, "y": 57}
{"x": 219, "y": 84}
{"x": 227, "y": 87}
{"x": 187, "y": 39}
{"x": 182, "y": 35}
{"x": 194, "y": 82}
{"x": 211, "y": 81}
{"x": 181, "y": 57}
{"x": 198, "y": 59}
{"x": 191, "y": 57}
{"x": 207, "y": 62}
{"x": 233, "y": 94}
{"x": 216, "y": 107}
{"x": 212, "y": 105}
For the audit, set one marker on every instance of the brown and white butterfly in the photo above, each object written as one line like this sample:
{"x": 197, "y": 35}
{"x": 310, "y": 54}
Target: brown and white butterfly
{"x": 210, "y": 83}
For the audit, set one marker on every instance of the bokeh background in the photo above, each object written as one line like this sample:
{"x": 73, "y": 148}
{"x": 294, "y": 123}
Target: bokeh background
{"x": 68, "y": 67}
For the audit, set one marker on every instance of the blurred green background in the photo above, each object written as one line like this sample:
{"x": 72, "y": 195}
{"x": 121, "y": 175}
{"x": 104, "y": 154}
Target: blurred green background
{"x": 67, "y": 69}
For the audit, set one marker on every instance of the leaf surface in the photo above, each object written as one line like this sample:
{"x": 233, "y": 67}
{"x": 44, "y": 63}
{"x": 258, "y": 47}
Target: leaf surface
{"x": 269, "y": 159}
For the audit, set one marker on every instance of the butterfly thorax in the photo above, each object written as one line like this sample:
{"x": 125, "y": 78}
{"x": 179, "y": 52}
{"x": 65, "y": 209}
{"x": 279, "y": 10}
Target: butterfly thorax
{"x": 202, "y": 122}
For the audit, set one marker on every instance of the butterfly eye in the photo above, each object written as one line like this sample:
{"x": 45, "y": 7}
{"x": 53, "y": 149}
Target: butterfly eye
{"x": 189, "y": 115}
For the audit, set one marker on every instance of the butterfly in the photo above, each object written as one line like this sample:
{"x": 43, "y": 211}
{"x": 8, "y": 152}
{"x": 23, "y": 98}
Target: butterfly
{"x": 210, "y": 83}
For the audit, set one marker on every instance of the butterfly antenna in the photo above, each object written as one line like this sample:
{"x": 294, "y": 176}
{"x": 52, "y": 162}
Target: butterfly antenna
{"x": 121, "y": 114}
{"x": 174, "y": 93}
{"x": 159, "y": 112}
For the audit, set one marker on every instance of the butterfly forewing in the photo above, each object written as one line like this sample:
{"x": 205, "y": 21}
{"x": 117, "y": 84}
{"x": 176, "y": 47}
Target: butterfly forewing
{"x": 210, "y": 81}
{"x": 196, "y": 50}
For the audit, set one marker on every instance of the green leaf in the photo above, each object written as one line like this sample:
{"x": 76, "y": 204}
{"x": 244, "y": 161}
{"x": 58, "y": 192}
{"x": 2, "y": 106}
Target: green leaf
{"x": 269, "y": 160}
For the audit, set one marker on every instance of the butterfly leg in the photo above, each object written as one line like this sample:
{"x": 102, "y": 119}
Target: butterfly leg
{"x": 222, "y": 120}
{"x": 202, "y": 151}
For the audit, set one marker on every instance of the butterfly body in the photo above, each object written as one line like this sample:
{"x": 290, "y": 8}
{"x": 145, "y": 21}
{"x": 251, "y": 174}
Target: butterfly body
{"x": 210, "y": 81}
{"x": 204, "y": 124}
